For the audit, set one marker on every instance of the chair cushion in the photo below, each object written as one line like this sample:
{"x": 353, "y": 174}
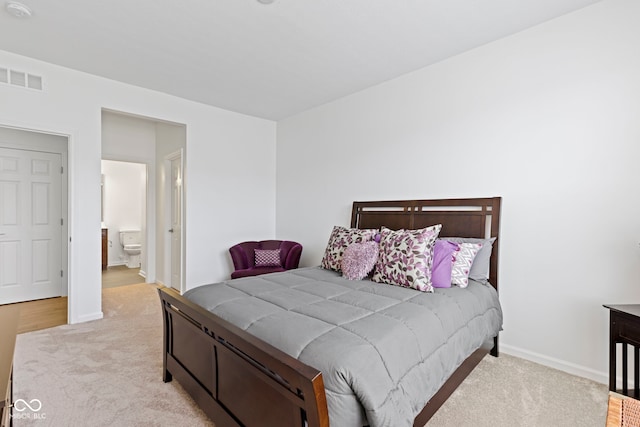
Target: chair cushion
{"x": 255, "y": 271}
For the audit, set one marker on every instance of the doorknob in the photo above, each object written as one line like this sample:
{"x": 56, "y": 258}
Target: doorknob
{"x": 171, "y": 230}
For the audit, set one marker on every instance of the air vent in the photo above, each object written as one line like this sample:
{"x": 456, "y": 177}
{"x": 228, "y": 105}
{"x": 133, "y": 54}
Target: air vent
{"x": 20, "y": 79}
{"x": 34, "y": 82}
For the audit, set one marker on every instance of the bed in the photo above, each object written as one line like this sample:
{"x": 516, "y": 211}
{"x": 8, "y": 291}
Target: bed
{"x": 242, "y": 355}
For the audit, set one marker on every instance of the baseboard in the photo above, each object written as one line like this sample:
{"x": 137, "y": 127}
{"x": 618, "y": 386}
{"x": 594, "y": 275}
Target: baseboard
{"x": 116, "y": 264}
{"x": 561, "y": 365}
{"x": 142, "y": 273}
{"x": 87, "y": 318}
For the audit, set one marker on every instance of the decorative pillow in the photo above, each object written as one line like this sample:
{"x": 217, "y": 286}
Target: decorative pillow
{"x": 463, "y": 259}
{"x": 268, "y": 258}
{"x": 480, "y": 268}
{"x": 339, "y": 240}
{"x": 406, "y": 257}
{"x": 443, "y": 263}
{"x": 359, "y": 259}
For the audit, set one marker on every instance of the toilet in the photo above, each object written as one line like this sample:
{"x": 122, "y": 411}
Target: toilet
{"x": 132, "y": 246}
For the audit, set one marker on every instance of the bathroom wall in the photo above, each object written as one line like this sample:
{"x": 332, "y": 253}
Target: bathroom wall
{"x": 124, "y": 198}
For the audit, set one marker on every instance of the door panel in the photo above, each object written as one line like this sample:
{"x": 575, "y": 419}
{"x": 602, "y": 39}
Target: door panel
{"x": 30, "y": 225}
{"x": 9, "y": 250}
{"x": 9, "y": 202}
{"x": 40, "y": 261}
{"x": 176, "y": 223}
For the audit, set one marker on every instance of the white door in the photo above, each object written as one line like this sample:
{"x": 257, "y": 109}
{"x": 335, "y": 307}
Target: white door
{"x": 31, "y": 225}
{"x": 176, "y": 223}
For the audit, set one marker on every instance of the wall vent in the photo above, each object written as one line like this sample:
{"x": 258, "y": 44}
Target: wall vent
{"x": 34, "y": 82}
{"x": 20, "y": 79}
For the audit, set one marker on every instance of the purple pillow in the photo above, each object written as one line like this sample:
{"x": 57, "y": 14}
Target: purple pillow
{"x": 267, "y": 258}
{"x": 406, "y": 257}
{"x": 339, "y": 240}
{"x": 359, "y": 259}
{"x": 442, "y": 263}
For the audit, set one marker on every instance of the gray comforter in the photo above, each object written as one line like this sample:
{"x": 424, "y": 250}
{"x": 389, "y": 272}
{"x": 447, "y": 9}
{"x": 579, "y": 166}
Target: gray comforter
{"x": 383, "y": 350}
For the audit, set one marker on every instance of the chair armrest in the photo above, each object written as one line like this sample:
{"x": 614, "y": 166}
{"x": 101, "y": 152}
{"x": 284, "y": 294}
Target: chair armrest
{"x": 239, "y": 257}
{"x": 293, "y": 257}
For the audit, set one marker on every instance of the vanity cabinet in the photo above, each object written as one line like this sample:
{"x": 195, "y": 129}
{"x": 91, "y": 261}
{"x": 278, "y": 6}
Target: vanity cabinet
{"x": 105, "y": 248}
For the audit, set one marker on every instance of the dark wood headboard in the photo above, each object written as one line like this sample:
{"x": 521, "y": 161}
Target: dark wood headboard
{"x": 459, "y": 218}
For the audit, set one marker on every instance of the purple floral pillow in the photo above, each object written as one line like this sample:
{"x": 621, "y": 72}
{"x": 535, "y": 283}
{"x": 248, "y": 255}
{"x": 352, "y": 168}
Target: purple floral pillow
{"x": 443, "y": 263}
{"x": 463, "y": 259}
{"x": 406, "y": 257}
{"x": 359, "y": 259}
{"x": 340, "y": 239}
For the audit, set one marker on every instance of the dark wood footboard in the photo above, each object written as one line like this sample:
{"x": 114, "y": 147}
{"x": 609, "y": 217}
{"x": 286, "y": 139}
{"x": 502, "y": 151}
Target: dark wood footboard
{"x": 237, "y": 379}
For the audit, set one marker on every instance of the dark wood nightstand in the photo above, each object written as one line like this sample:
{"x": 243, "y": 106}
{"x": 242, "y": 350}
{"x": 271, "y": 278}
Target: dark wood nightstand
{"x": 624, "y": 328}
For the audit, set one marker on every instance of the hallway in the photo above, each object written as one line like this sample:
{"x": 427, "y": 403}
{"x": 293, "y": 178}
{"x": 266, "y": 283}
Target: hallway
{"x": 120, "y": 275}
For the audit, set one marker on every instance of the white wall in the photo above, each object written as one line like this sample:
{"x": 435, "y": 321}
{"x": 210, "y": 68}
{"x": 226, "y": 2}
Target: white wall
{"x": 224, "y": 191}
{"x": 124, "y": 199}
{"x": 128, "y": 138}
{"x": 549, "y": 120}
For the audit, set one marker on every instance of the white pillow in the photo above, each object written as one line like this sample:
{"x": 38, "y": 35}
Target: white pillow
{"x": 462, "y": 261}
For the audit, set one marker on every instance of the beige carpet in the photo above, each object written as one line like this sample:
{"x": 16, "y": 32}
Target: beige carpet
{"x": 512, "y": 392}
{"x": 108, "y": 373}
{"x": 103, "y": 373}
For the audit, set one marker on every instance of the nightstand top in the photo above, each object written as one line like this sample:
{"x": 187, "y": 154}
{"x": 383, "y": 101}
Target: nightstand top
{"x": 632, "y": 309}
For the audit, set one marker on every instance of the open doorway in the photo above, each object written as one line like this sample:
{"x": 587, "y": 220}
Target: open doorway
{"x": 124, "y": 198}
{"x": 136, "y": 139}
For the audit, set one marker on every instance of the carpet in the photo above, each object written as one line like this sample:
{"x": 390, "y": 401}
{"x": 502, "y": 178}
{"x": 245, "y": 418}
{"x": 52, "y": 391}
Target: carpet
{"x": 109, "y": 373}
{"x": 106, "y": 372}
{"x": 511, "y": 392}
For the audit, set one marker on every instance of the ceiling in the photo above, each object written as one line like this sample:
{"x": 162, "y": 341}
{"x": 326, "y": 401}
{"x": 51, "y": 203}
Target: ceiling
{"x": 269, "y": 61}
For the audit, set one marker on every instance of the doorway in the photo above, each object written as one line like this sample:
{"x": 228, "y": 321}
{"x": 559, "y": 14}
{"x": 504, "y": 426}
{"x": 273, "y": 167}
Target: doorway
{"x": 33, "y": 215}
{"x": 133, "y": 138}
{"x": 124, "y": 198}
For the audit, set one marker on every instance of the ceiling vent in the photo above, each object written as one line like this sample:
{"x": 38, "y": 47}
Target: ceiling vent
{"x": 20, "y": 78}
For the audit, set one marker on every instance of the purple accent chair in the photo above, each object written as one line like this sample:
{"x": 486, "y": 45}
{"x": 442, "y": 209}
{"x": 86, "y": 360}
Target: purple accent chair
{"x": 243, "y": 257}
